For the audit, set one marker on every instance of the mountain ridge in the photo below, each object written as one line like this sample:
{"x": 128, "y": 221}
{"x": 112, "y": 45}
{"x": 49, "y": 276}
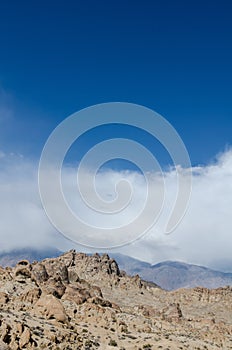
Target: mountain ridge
{"x": 172, "y": 275}
{"x": 169, "y": 275}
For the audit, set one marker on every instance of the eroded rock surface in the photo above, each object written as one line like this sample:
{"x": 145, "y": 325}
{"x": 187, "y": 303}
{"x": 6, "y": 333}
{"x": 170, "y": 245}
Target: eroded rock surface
{"x": 78, "y": 301}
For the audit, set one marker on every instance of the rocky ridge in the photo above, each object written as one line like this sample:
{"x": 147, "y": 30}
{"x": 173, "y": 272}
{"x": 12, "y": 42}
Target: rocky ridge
{"x": 77, "y": 301}
{"x": 172, "y": 275}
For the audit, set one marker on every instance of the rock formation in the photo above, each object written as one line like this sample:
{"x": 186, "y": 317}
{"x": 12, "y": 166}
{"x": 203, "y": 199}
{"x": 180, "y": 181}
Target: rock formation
{"x": 76, "y": 301}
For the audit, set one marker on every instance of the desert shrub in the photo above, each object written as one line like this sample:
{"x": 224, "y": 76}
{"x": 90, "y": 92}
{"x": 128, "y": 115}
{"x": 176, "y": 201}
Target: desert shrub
{"x": 112, "y": 343}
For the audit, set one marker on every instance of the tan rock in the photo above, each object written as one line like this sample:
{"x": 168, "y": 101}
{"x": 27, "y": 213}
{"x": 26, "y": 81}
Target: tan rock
{"x": 56, "y": 268}
{"x": 4, "y": 298}
{"x": 86, "y": 301}
{"x": 77, "y": 295}
{"x": 3, "y": 346}
{"x": 22, "y": 271}
{"x": 5, "y": 332}
{"x": 25, "y": 338}
{"x": 54, "y": 286}
{"x": 19, "y": 328}
{"x": 100, "y": 301}
{"x": 39, "y": 273}
{"x": 31, "y": 296}
{"x": 23, "y": 262}
{"x": 172, "y": 313}
{"x": 51, "y": 308}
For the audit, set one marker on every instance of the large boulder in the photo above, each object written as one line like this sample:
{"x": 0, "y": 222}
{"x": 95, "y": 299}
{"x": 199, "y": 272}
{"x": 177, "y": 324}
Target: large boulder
{"x": 51, "y": 308}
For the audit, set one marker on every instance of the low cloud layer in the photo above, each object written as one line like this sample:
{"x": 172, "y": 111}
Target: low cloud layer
{"x": 203, "y": 237}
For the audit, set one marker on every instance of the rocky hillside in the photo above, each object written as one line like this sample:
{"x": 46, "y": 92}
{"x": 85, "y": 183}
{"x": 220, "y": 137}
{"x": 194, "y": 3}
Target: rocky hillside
{"x": 171, "y": 275}
{"x": 77, "y": 301}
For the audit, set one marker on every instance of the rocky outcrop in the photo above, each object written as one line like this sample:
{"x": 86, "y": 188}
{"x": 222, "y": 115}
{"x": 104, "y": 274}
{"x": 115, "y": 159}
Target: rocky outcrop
{"x": 77, "y": 301}
{"x": 39, "y": 273}
{"x": 172, "y": 313}
{"x": 51, "y": 308}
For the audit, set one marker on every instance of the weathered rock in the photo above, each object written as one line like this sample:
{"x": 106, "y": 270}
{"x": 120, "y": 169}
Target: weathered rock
{"x": 172, "y": 313}
{"x": 22, "y": 272}
{"x": 68, "y": 258}
{"x": 54, "y": 286}
{"x": 25, "y": 338}
{"x": 4, "y": 298}
{"x": 77, "y": 301}
{"x": 51, "y": 308}
{"x": 100, "y": 301}
{"x": 78, "y": 296}
{"x": 23, "y": 263}
{"x": 39, "y": 273}
{"x": 31, "y": 296}
{"x": 73, "y": 276}
{"x": 56, "y": 268}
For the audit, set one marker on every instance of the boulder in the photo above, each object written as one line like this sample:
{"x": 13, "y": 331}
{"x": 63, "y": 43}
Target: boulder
{"x": 51, "y": 308}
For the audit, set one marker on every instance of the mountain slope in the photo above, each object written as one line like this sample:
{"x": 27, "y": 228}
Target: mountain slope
{"x": 171, "y": 275}
{"x": 12, "y": 257}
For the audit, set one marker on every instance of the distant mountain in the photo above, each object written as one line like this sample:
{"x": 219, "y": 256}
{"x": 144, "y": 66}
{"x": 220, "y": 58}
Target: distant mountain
{"x": 171, "y": 275}
{"x": 12, "y": 257}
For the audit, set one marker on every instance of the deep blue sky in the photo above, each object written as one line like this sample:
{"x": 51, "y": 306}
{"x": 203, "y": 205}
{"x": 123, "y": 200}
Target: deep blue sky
{"x": 172, "y": 56}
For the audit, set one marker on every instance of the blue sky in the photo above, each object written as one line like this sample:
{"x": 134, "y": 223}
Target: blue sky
{"x": 173, "y": 57}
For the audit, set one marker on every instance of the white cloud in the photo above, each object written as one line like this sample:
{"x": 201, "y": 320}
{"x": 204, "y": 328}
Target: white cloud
{"x": 23, "y": 221}
{"x": 205, "y": 234}
{"x": 203, "y": 237}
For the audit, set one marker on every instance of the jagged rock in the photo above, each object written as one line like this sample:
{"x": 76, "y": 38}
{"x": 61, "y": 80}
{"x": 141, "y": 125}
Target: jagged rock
{"x": 137, "y": 281}
{"x": 39, "y": 273}
{"x": 108, "y": 265}
{"x": 54, "y": 286}
{"x": 78, "y": 296}
{"x": 68, "y": 258}
{"x": 56, "y": 268}
{"x": 92, "y": 265}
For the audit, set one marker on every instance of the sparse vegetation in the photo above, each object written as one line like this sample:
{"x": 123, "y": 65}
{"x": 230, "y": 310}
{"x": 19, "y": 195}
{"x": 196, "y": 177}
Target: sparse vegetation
{"x": 147, "y": 346}
{"x": 113, "y": 342}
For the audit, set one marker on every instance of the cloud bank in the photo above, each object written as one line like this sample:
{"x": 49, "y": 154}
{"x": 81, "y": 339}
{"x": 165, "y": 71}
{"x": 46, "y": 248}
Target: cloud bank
{"x": 203, "y": 237}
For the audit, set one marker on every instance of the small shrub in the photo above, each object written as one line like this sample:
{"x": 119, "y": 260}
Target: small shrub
{"x": 147, "y": 346}
{"x": 112, "y": 343}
